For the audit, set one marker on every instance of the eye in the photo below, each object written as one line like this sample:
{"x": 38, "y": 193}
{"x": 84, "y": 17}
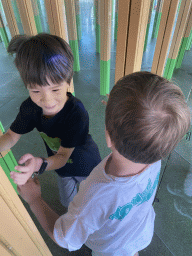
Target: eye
{"x": 35, "y": 91}
{"x": 56, "y": 90}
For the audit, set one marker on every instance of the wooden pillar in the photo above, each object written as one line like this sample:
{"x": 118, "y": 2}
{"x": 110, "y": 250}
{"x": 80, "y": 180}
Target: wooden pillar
{"x": 105, "y": 40}
{"x": 164, "y": 36}
{"x": 184, "y": 42}
{"x": 72, "y": 30}
{"x": 97, "y": 25}
{"x": 37, "y": 16}
{"x": 27, "y": 17}
{"x": 132, "y": 23}
{"x": 9, "y": 13}
{"x": 78, "y": 18}
{"x": 3, "y": 33}
{"x": 157, "y": 18}
{"x": 148, "y": 25}
{"x": 177, "y": 37}
{"x": 57, "y": 22}
{"x": 18, "y": 233}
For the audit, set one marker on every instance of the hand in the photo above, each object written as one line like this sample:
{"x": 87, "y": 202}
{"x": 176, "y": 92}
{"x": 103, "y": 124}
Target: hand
{"x": 30, "y": 191}
{"x": 105, "y": 102}
{"x": 31, "y": 164}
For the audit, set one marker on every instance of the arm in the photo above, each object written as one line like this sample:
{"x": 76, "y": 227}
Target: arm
{"x": 33, "y": 164}
{"x": 31, "y": 193}
{"x": 8, "y": 140}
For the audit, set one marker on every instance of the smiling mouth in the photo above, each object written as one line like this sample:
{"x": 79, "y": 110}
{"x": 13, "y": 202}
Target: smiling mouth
{"x": 49, "y": 108}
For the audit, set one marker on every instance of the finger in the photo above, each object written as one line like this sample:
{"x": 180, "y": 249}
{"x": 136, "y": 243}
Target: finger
{"x": 24, "y": 158}
{"x": 104, "y": 102}
{"x": 20, "y": 178}
{"x": 22, "y": 168}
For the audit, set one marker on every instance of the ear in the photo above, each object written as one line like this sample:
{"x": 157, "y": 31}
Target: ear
{"x": 108, "y": 139}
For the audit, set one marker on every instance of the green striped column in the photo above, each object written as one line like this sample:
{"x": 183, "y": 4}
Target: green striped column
{"x": 8, "y": 162}
{"x": 37, "y": 16}
{"x": 157, "y": 19}
{"x": 75, "y": 49}
{"x": 16, "y": 11}
{"x": 3, "y": 33}
{"x": 181, "y": 52}
{"x": 189, "y": 42}
{"x": 169, "y": 68}
{"x": 78, "y": 19}
{"x": 105, "y": 77}
{"x": 156, "y": 25}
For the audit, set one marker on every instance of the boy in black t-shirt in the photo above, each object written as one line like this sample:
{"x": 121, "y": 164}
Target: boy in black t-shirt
{"x": 45, "y": 63}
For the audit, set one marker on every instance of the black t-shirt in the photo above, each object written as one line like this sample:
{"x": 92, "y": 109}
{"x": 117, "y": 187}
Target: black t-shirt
{"x": 69, "y": 128}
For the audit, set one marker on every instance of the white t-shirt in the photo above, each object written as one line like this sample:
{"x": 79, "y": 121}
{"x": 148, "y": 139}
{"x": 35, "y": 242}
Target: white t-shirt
{"x": 111, "y": 215}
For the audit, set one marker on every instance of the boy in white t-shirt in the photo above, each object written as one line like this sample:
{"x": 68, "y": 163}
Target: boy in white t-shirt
{"x": 146, "y": 116}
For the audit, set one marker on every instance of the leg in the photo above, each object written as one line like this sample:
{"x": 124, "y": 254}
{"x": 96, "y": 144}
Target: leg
{"x": 68, "y": 187}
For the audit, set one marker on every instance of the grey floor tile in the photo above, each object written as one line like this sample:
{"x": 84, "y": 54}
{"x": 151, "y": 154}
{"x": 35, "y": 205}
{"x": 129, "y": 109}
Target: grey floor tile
{"x": 9, "y": 111}
{"x": 5, "y": 100}
{"x": 174, "y": 210}
{"x": 184, "y": 148}
{"x": 156, "y": 248}
{"x": 14, "y": 87}
{"x": 183, "y": 80}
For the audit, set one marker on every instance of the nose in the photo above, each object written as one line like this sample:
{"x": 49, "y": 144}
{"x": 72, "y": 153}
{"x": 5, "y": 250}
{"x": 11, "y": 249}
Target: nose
{"x": 47, "y": 99}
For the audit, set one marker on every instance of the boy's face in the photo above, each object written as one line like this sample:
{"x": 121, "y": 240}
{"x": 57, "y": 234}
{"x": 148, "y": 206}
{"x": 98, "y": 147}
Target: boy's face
{"x": 51, "y": 98}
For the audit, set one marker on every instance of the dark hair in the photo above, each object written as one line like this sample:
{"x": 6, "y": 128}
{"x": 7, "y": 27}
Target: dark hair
{"x": 146, "y": 116}
{"x": 42, "y": 58}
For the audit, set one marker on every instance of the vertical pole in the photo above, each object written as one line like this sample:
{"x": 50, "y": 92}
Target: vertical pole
{"x": 139, "y": 13}
{"x": 9, "y": 13}
{"x": 177, "y": 37}
{"x": 105, "y": 39}
{"x": 169, "y": 12}
{"x": 37, "y": 16}
{"x": 157, "y": 18}
{"x": 72, "y": 30}
{"x": 148, "y": 25}
{"x": 7, "y": 161}
{"x": 57, "y": 22}
{"x": 189, "y": 43}
{"x": 78, "y": 19}
{"x": 116, "y": 18}
{"x": 97, "y": 25}
{"x": 27, "y": 17}
{"x": 3, "y": 33}
{"x": 184, "y": 42}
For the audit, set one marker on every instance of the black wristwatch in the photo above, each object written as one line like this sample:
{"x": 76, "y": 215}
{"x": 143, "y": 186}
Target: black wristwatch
{"x": 42, "y": 168}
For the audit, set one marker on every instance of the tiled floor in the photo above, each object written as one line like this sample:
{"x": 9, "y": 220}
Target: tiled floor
{"x": 173, "y": 225}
